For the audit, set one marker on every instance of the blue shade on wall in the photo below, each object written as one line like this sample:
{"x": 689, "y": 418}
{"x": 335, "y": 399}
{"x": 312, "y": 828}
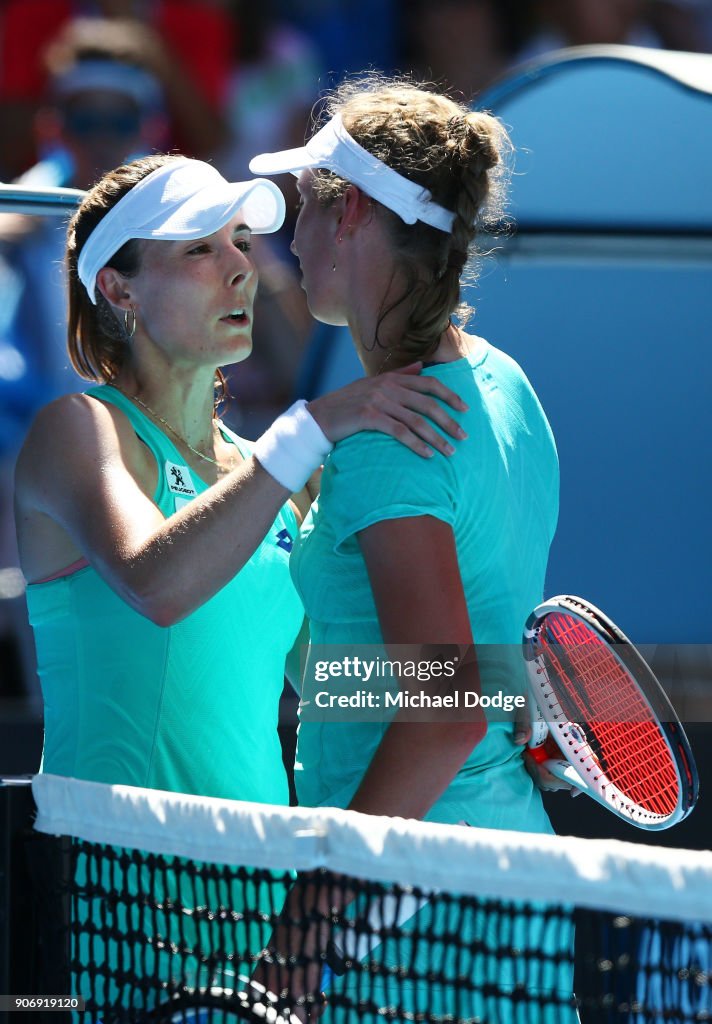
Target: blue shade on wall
{"x": 604, "y": 295}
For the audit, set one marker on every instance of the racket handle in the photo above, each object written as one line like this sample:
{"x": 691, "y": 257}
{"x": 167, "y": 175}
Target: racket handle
{"x": 548, "y": 756}
{"x": 545, "y": 750}
{"x": 563, "y": 771}
{"x": 540, "y": 730}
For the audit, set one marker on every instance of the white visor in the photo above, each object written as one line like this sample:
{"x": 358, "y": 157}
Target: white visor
{"x": 333, "y": 148}
{"x": 184, "y": 199}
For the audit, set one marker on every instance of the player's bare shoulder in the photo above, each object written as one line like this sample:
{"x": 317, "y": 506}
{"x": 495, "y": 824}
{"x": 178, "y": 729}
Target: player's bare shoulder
{"x": 71, "y": 439}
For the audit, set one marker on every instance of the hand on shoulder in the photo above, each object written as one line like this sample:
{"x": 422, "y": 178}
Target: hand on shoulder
{"x": 395, "y": 404}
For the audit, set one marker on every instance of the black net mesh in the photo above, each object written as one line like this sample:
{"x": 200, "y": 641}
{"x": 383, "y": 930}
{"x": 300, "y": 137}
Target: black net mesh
{"x": 147, "y": 937}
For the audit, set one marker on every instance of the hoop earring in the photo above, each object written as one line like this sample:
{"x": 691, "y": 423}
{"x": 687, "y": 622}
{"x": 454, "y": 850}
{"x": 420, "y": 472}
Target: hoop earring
{"x": 130, "y": 331}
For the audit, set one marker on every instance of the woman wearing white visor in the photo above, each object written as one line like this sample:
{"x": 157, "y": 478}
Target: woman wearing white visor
{"x": 154, "y": 541}
{"x": 437, "y": 554}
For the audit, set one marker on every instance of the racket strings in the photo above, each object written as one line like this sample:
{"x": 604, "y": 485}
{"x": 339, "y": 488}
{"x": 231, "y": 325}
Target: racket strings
{"x": 596, "y": 692}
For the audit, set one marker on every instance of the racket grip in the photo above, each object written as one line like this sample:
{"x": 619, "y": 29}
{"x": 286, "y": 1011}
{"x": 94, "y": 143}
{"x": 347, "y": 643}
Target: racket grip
{"x": 548, "y": 756}
{"x": 540, "y": 730}
{"x": 564, "y": 771}
{"x": 545, "y": 751}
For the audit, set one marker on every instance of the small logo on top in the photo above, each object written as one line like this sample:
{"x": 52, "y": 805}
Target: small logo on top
{"x": 284, "y": 541}
{"x": 179, "y": 480}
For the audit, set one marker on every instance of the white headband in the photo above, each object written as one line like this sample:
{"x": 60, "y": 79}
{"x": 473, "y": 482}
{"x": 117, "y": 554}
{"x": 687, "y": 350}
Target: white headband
{"x": 183, "y": 199}
{"x": 333, "y": 148}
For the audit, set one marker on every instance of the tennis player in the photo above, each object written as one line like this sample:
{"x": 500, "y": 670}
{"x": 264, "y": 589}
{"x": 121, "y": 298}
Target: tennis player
{"x": 154, "y": 541}
{"x": 439, "y": 554}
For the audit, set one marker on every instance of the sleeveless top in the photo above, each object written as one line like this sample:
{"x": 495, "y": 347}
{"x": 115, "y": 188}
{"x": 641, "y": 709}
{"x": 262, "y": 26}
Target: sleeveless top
{"x": 191, "y": 707}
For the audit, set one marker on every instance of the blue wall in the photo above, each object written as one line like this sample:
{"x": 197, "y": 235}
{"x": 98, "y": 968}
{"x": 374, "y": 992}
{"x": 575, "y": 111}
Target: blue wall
{"x": 605, "y": 297}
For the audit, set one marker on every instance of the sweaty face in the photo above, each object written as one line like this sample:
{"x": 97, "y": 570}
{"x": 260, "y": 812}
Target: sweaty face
{"x": 315, "y": 247}
{"x": 194, "y": 298}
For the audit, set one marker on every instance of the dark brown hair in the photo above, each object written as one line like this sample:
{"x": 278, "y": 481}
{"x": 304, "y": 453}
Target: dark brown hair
{"x": 97, "y": 342}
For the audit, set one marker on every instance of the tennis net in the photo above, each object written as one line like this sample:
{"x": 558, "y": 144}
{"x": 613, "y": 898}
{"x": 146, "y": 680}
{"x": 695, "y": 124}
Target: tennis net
{"x": 165, "y": 907}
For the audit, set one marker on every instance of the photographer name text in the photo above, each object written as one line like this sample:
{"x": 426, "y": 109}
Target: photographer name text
{"x": 418, "y": 699}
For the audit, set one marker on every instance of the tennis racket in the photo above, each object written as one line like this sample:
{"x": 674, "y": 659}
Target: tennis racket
{"x": 601, "y": 720}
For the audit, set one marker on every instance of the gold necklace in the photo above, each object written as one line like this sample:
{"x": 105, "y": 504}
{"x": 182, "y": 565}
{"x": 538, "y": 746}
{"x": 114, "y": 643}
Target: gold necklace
{"x": 166, "y": 424}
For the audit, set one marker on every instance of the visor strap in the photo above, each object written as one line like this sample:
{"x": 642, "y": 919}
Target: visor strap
{"x": 407, "y": 199}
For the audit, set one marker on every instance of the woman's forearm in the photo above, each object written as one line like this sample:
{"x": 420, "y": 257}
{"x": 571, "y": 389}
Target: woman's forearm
{"x": 414, "y": 765}
{"x": 200, "y": 549}
{"x": 421, "y": 603}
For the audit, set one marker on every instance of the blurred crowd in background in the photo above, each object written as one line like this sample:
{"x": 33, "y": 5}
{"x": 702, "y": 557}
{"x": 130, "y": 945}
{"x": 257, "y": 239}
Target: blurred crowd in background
{"x": 85, "y": 86}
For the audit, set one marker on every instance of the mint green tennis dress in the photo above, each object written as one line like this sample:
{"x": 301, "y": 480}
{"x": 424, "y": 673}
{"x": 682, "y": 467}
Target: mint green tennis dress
{"x": 191, "y": 708}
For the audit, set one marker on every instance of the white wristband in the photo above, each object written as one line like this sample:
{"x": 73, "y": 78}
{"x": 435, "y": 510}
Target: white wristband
{"x": 293, "y": 447}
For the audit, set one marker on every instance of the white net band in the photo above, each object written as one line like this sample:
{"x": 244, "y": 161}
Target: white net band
{"x": 603, "y": 874}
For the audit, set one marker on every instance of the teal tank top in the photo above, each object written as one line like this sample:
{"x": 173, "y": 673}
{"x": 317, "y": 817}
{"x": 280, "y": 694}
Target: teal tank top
{"x": 191, "y": 708}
